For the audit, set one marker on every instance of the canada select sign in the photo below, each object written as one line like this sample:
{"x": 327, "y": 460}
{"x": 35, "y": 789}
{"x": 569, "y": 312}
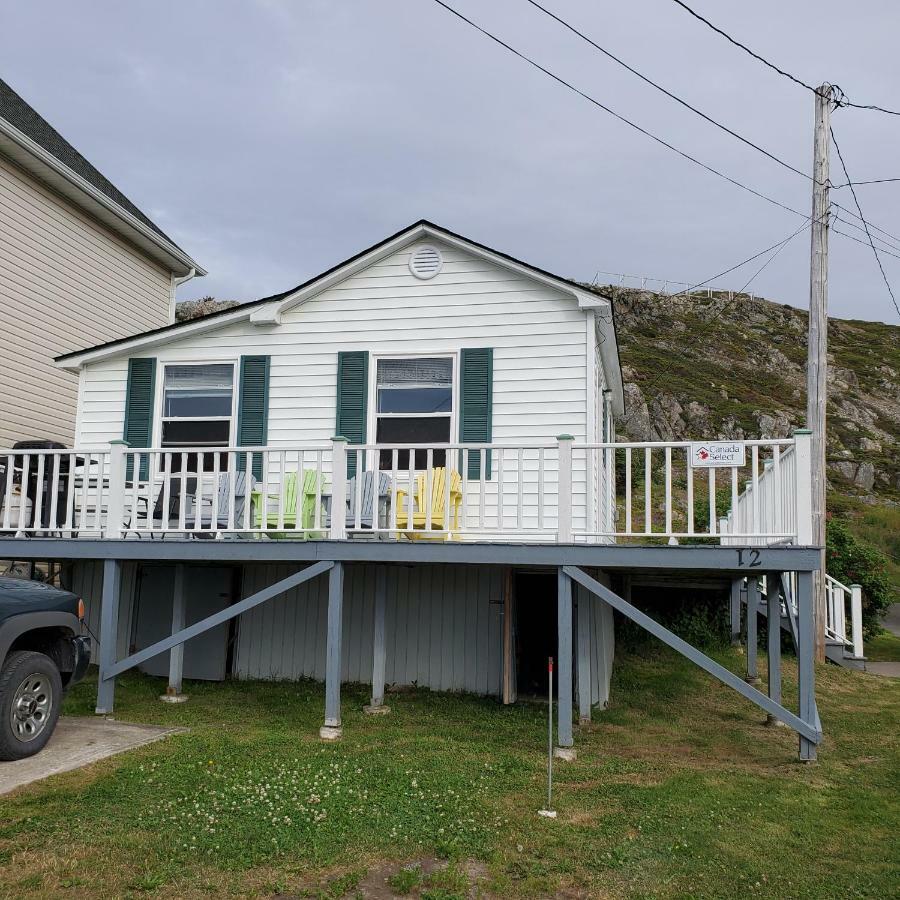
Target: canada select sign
{"x": 717, "y": 454}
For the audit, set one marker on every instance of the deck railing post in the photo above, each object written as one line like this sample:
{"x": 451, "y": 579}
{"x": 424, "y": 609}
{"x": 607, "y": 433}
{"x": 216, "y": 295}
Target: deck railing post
{"x": 338, "y": 529}
{"x": 564, "y": 499}
{"x": 115, "y": 502}
{"x": 803, "y": 486}
{"x": 856, "y": 618}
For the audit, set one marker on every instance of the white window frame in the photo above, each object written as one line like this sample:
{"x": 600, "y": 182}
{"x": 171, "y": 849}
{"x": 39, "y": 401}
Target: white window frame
{"x": 161, "y": 366}
{"x": 374, "y": 415}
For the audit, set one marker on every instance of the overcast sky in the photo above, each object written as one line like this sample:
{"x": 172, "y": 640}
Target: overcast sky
{"x": 274, "y": 138}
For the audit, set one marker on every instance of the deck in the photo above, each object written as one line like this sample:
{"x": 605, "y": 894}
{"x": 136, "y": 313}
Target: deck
{"x": 578, "y": 508}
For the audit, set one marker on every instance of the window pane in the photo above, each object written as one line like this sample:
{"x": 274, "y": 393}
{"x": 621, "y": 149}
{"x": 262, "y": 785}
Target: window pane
{"x": 195, "y": 434}
{"x": 415, "y": 399}
{"x": 186, "y": 404}
{"x": 425, "y": 372}
{"x": 203, "y": 390}
{"x": 412, "y": 431}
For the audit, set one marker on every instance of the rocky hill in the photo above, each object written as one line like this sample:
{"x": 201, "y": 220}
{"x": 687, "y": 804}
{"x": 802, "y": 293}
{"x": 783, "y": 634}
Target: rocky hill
{"x": 734, "y": 367}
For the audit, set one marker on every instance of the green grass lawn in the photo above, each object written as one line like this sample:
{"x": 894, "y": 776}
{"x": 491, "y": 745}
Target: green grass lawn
{"x": 679, "y": 790}
{"x": 884, "y": 648}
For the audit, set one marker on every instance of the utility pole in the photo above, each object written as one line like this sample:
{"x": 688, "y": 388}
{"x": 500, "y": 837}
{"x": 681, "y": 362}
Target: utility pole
{"x": 817, "y": 360}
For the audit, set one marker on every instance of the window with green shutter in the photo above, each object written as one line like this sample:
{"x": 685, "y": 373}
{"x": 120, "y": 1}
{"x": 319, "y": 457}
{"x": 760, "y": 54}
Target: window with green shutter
{"x": 352, "y": 400}
{"x": 476, "y": 389}
{"x": 253, "y": 408}
{"x": 139, "y": 393}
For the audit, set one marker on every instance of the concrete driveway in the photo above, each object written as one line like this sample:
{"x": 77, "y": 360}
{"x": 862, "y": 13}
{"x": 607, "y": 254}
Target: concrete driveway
{"x": 77, "y": 742}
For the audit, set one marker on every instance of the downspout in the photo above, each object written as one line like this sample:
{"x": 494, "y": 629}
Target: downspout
{"x": 176, "y": 282}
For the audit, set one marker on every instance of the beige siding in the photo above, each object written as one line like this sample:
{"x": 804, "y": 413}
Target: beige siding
{"x": 65, "y": 283}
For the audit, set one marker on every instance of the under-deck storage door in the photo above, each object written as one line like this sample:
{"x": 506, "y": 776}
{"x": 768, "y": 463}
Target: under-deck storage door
{"x": 207, "y": 590}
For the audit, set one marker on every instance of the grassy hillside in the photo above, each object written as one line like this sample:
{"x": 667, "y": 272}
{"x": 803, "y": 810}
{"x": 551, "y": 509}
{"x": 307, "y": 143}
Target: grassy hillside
{"x": 699, "y": 366}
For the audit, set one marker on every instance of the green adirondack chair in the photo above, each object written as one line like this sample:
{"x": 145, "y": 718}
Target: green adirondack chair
{"x": 292, "y": 486}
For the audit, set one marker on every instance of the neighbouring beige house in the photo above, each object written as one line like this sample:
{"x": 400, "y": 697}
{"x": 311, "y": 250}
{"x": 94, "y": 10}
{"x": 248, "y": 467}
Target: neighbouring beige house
{"x": 80, "y": 264}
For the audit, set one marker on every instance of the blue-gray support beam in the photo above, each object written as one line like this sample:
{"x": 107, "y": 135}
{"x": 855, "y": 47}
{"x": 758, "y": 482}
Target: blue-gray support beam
{"x": 806, "y": 673}
{"x": 564, "y": 662}
{"x": 788, "y": 593}
{"x": 583, "y": 678}
{"x": 810, "y": 732}
{"x": 109, "y": 632}
{"x": 217, "y": 618}
{"x": 378, "y": 652}
{"x": 333, "y": 647}
{"x": 735, "y": 610}
{"x": 752, "y": 629}
{"x": 702, "y": 559}
{"x": 176, "y": 654}
{"x": 773, "y": 629}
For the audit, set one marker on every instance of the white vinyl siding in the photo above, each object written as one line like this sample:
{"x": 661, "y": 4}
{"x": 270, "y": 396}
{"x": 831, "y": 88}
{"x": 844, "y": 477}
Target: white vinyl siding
{"x": 65, "y": 283}
{"x": 538, "y": 336}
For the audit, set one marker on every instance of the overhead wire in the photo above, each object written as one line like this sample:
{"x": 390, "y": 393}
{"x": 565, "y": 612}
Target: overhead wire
{"x": 612, "y": 112}
{"x": 778, "y": 247}
{"x": 843, "y": 101}
{"x": 863, "y": 220}
{"x": 665, "y": 91}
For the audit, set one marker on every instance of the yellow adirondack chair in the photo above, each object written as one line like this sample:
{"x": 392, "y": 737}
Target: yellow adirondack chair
{"x": 307, "y": 506}
{"x": 437, "y": 502}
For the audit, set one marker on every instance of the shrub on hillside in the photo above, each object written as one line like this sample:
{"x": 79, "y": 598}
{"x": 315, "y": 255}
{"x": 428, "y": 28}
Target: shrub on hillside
{"x": 852, "y": 562}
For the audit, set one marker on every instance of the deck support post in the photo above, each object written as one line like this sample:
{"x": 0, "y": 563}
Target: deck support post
{"x": 109, "y": 633}
{"x": 773, "y": 628}
{"x": 564, "y": 661}
{"x": 735, "y": 609}
{"x": 752, "y": 630}
{"x": 331, "y": 730}
{"x": 806, "y": 673}
{"x": 176, "y": 654}
{"x": 376, "y": 706}
{"x": 583, "y": 623}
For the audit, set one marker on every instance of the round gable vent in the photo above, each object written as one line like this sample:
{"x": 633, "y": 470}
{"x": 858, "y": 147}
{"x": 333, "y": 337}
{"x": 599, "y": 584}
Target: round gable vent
{"x": 425, "y": 262}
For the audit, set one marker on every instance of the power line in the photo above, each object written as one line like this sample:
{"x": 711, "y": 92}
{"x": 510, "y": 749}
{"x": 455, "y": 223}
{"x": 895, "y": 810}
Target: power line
{"x": 612, "y": 112}
{"x": 668, "y": 93}
{"x": 850, "y": 212}
{"x": 887, "y": 246}
{"x": 842, "y": 102}
{"x": 858, "y": 241}
{"x": 858, "y": 183}
{"x": 862, "y": 219}
{"x": 696, "y": 335}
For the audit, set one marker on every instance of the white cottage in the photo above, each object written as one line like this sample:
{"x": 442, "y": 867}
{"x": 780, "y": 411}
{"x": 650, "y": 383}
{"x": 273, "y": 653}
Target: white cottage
{"x": 428, "y": 339}
{"x": 430, "y": 425}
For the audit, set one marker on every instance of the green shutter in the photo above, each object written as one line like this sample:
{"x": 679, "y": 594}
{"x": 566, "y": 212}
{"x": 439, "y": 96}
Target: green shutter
{"x": 253, "y": 408}
{"x": 476, "y": 390}
{"x": 139, "y": 394}
{"x": 352, "y": 400}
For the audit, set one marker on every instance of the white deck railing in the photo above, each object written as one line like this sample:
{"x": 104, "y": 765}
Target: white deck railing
{"x": 843, "y": 608}
{"x": 556, "y": 491}
{"x": 775, "y": 503}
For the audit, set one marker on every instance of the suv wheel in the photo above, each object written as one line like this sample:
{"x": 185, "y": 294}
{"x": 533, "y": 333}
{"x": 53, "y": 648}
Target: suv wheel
{"x": 30, "y": 696}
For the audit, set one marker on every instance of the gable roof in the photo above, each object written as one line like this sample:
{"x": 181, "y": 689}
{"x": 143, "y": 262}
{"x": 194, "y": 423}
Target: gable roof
{"x": 268, "y": 310}
{"x": 18, "y": 120}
